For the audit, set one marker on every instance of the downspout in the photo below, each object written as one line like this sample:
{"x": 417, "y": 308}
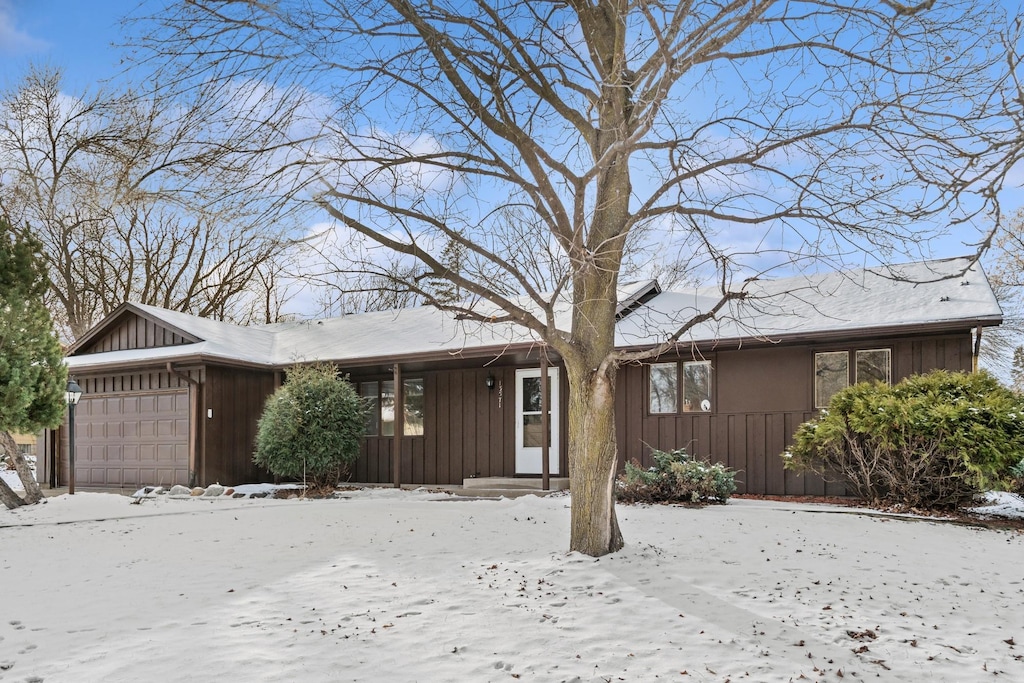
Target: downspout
{"x": 194, "y": 419}
{"x": 977, "y": 350}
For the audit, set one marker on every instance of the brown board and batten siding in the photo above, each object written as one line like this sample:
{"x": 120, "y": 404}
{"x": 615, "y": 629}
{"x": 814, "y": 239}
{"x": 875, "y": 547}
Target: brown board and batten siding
{"x": 469, "y": 430}
{"x": 233, "y": 400}
{"x": 761, "y": 395}
{"x": 134, "y": 332}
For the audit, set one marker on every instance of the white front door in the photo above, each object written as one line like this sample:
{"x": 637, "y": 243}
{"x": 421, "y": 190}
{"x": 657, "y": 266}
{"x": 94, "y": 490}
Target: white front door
{"x": 529, "y": 433}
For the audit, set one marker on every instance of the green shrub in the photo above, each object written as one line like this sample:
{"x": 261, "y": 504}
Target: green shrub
{"x": 930, "y": 441}
{"x": 312, "y": 427}
{"x": 675, "y": 478}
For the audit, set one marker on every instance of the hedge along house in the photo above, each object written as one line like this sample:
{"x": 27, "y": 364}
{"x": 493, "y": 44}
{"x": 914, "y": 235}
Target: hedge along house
{"x": 172, "y": 398}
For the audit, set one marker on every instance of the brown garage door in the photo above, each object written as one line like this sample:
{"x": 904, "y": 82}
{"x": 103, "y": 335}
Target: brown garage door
{"x": 132, "y": 439}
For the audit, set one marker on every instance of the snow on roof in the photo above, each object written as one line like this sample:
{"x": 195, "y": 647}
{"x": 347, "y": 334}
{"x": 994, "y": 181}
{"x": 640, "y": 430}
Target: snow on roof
{"x": 246, "y": 343}
{"x": 925, "y": 293}
{"x": 387, "y": 334}
{"x": 859, "y": 300}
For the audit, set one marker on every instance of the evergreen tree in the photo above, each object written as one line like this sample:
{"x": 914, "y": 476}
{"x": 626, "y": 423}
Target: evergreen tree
{"x": 32, "y": 371}
{"x": 453, "y": 258}
{"x": 1017, "y": 371}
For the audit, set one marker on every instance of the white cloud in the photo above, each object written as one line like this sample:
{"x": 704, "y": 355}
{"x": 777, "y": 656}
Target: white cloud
{"x": 13, "y": 41}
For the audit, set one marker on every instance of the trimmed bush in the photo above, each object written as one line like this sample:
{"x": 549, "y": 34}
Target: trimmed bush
{"x": 311, "y": 427}
{"x": 930, "y": 441}
{"x": 675, "y": 478}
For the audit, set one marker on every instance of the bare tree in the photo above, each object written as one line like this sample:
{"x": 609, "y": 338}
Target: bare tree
{"x": 136, "y": 199}
{"x": 1006, "y": 272}
{"x": 752, "y": 134}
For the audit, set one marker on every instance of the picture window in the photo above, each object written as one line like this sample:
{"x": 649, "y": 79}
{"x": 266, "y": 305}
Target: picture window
{"x": 666, "y": 394}
{"x": 874, "y": 365}
{"x": 663, "y": 388}
{"x": 831, "y": 375}
{"x": 380, "y": 407}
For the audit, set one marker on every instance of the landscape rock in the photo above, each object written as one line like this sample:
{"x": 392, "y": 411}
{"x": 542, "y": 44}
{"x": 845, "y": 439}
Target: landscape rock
{"x": 213, "y": 491}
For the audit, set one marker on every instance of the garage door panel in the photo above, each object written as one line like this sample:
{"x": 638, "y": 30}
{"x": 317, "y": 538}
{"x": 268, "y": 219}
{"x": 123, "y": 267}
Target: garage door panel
{"x": 165, "y": 428}
{"x": 96, "y": 454}
{"x": 133, "y": 440}
{"x": 130, "y": 453}
{"x": 146, "y": 429}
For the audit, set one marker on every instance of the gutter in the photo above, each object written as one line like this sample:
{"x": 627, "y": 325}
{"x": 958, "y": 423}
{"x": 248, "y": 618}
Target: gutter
{"x": 496, "y": 351}
{"x": 821, "y": 336}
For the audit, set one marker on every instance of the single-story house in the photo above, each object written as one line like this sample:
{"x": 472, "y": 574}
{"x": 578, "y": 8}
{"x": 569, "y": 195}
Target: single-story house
{"x": 170, "y": 398}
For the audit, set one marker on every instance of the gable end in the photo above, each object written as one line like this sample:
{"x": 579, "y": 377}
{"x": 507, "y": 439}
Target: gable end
{"x": 131, "y": 331}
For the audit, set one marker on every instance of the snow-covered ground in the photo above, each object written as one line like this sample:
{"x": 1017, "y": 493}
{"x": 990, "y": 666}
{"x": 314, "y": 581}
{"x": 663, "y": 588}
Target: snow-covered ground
{"x": 410, "y": 586}
{"x": 11, "y": 477}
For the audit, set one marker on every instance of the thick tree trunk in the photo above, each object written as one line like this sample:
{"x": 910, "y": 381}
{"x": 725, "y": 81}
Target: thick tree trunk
{"x": 592, "y": 459}
{"x": 8, "y": 497}
{"x": 33, "y": 494}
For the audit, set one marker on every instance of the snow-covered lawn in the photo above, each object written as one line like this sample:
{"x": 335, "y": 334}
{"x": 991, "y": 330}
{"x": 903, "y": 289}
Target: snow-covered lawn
{"x": 11, "y": 477}
{"x": 409, "y": 586}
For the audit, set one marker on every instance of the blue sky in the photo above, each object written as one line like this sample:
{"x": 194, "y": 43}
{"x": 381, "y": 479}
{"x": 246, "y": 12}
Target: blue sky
{"x": 76, "y": 35}
{"x": 81, "y": 37}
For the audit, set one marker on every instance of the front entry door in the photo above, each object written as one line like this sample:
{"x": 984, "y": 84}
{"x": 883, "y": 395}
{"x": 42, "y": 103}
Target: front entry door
{"x": 529, "y": 433}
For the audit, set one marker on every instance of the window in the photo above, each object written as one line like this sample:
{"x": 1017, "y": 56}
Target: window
{"x": 369, "y": 392}
{"x": 697, "y": 386}
{"x": 874, "y": 365}
{"x": 664, "y": 388}
{"x": 832, "y": 371}
{"x": 532, "y": 412}
{"x": 412, "y": 394}
{"x": 387, "y": 408}
{"x": 380, "y": 402}
{"x": 831, "y": 375}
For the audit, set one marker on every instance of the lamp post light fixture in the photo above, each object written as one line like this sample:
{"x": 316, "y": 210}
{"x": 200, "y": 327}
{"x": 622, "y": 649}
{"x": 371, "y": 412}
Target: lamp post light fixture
{"x": 73, "y": 395}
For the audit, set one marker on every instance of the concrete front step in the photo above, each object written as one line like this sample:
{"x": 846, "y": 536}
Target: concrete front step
{"x": 484, "y": 487}
{"x": 512, "y": 483}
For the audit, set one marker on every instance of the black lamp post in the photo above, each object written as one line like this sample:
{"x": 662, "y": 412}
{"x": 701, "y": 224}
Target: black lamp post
{"x": 72, "y": 396}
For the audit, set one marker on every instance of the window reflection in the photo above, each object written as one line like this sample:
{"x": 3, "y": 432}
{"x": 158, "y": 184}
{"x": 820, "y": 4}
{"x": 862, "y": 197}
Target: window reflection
{"x": 664, "y": 387}
{"x": 874, "y": 365}
{"x": 831, "y": 375}
{"x": 380, "y": 407}
{"x": 697, "y": 386}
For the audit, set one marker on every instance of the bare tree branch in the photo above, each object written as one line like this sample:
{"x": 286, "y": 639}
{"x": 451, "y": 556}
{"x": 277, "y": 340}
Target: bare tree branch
{"x": 751, "y": 137}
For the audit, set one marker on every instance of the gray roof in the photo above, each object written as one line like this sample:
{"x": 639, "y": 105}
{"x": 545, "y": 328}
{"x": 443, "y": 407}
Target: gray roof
{"x": 915, "y": 295}
{"x": 856, "y": 302}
